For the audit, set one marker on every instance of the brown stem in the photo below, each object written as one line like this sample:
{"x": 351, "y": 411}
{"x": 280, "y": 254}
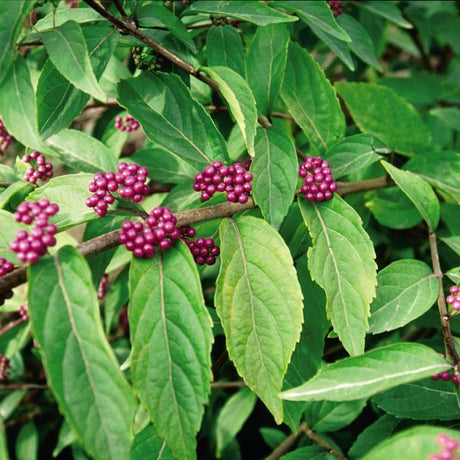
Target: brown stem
{"x": 110, "y": 240}
{"x": 449, "y": 343}
{"x": 131, "y": 29}
{"x": 239, "y": 384}
{"x": 10, "y": 326}
{"x": 219, "y": 363}
{"x": 120, "y": 10}
{"x": 102, "y": 105}
{"x": 289, "y": 443}
{"x": 22, "y": 386}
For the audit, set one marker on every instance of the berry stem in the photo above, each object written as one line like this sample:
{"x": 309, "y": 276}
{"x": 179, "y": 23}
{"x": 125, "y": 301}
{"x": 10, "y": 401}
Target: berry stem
{"x": 290, "y": 442}
{"x": 120, "y": 10}
{"x": 10, "y": 325}
{"x": 449, "y": 343}
{"x": 110, "y": 240}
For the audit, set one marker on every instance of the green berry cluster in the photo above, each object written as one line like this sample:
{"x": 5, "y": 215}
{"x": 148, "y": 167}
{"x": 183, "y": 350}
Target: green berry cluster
{"x": 145, "y": 58}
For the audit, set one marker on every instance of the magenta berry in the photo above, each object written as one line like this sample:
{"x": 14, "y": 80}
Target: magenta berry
{"x": 453, "y": 299}
{"x": 318, "y": 183}
{"x": 72, "y": 3}
{"x": 103, "y": 285}
{"x": 129, "y": 181}
{"x": 448, "y": 445}
{"x": 40, "y": 169}
{"x": 4, "y": 364}
{"x": 22, "y": 310}
{"x": 5, "y": 267}
{"x": 128, "y": 123}
{"x": 336, "y": 7}
{"x": 29, "y": 247}
{"x": 234, "y": 180}
{"x": 5, "y": 138}
{"x": 159, "y": 229}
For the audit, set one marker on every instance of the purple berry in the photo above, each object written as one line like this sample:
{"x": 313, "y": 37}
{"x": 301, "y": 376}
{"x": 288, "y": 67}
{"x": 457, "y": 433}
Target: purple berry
{"x": 318, "y": 183}
{"x": 128, "y": 123}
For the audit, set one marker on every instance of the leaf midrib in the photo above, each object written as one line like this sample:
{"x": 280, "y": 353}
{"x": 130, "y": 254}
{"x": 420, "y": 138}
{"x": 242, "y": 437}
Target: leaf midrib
{"x": 68, "y": 305}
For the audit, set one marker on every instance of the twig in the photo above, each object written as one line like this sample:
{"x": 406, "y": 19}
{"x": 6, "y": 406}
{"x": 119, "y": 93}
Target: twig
{"x": 10, "y": 326}
{"x": 23, "y": 386}
{"x": 120, "y": 10}
{"x": 102, "y": 105}
{"x": 219, "y": 363}
{"x": 131, "y": 29}
{"x": 110, "y": 240}
{"x": 442, "y": 307}
{"x": 239, "y": 384}
{"x": 289, "y": 443}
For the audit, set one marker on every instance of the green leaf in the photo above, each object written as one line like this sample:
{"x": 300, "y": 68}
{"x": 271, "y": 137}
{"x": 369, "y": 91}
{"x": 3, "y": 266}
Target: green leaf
{"x": 172, "y": 119}
{"x": 419, "y": 192}
{"x": 379, "y": 111}
{"x": 381, "y": 429}
{"x": 413, "y": 444}
{"x": 425, "y": 399}
{"x": 7, "y": 174}
{"x": 9, "y": 228}
{"x": 147, "y": 444}
{"x": 171, "y": 343}
{"x": 67, "y": 50}
{"x": 352, "y": 154}
{"x": 3, "y": 442}
{"x": 10, "y": 402}
{"x": 387, "y": 10}
{"x": 316, "y": 13}
{"x": 17, "y": 106}
{"x": 58, "y": 101}
{"x": 341, "y": 261}
{"x": 27, "y": 442}
{"x": 327, "y": 416}
{"x": 59, "y": 17}
{"x": 372, "y": 372}
{"x": 440, "y": 169}
{"x": 16, "y": 190}
{"x": 240, "y": 101}
{"x": 154, "y": 14}
{"x": 70, "y": 193}
{"x": 449, "y": 115}
{"x": 225, "y": 48}
{"x": 311, "y": 100}
{"x": 116, "y": 297}
{"x": 259, "y": 302}
{"x": 79, "y": 364}
{"x": 405, "y": 290}
{"x": 454, "y": 275}
{"x": 266, "y": 64}
{"x": 232, "y": 417}
{"x": 66, "y": 437}
{"x": 164, "y": 165}
{"x": 275, "y": 174}
{"x": 361, "y": 44}
{"x": 250, "y": 11}
{"x": 393, "y": 209}
{"x": 453, "y": 242}
{"x": 310, "y": 452}
{"x": 339, "y": 47}
{"x": 12, "y": 16}
{"x": 82, "y": 152}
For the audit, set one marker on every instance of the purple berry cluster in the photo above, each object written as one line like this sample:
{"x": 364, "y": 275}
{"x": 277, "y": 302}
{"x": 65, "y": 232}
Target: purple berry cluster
{"x": 128, "y": 123}
{"x": 129, "y": 181}
{"x": 446, "y": 375}
{"x": 4, "y": 364}
{"x": 5, "y": 267}
{"x": 234, "y": 180}
{"x": 454, "y": 298}
{"x": 103, "y": 285}
{"x": 22, "y": 310}
{"x": 159, "y": 229}
{"x": 204, "y": 250}
{"x": 449, "y": 446}
{"x": 44, "y": 169}
{"x": 5, "y": 138}
{"x": 336, "y": 7}
{"x": 30, "y": 247}
{"x": 318, "y": 183}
